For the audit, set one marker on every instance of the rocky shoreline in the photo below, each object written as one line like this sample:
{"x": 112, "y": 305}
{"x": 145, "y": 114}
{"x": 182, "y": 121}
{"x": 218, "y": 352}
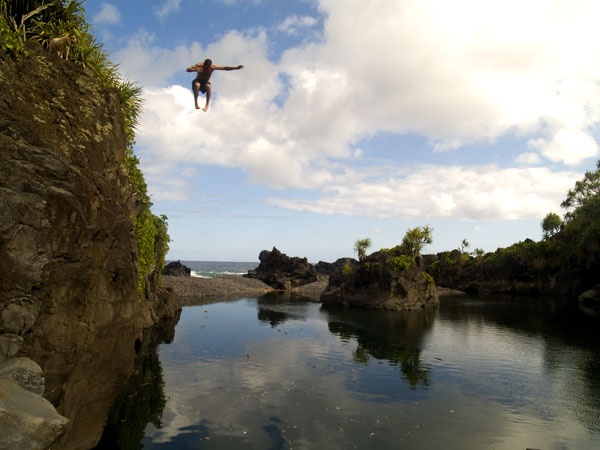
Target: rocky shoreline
{"x": 194, "y": 290}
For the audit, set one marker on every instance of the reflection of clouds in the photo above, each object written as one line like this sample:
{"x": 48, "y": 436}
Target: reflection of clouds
{"x": 303, "y": 390}
{"x": 297, "y": 381}
{"x": 234, "y": 396}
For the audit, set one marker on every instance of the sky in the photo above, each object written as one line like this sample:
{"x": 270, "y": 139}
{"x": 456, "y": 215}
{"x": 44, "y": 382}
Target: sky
{"x": 355, "y": 119}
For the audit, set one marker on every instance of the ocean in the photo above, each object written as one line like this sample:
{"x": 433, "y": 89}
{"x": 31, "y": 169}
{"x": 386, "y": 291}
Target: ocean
{"x": 211, "y": 269}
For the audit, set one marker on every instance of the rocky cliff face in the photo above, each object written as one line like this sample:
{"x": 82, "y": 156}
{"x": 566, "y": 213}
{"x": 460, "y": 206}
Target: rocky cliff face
{"x": 68, "y": 258}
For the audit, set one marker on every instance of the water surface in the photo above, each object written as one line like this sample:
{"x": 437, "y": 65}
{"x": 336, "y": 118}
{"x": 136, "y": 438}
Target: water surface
{"x": 473, "y": 373}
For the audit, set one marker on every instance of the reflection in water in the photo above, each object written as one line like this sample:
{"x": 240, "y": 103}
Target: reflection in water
{"x": 385, "y": 335}
{"x": 142, "y": 399}
{"x": 303, "y": 376}
{"x": 568, "y": 342}
{"x": 276, "y": 309}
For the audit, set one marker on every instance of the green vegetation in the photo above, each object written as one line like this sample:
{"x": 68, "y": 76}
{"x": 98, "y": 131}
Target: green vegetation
{"x": 360, "y": 247}
{"x": 42, "y": 20}
{"x": 401, "y": 262}
{"x": 551, "y": 225}
{"x": 569, "y": 250}
{"x": 415, "y": 239}
{"x": 428, "y": 278}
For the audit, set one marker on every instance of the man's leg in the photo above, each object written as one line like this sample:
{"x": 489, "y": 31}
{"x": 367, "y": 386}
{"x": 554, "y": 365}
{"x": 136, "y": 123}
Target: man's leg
{"x": 208, "y": 89}
{"x": 195, "y": 89}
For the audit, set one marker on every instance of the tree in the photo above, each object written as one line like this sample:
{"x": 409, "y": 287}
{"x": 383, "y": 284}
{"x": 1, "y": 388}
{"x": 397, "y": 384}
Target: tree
{"x": 584, "y": 190}
{"x": 415, "y": 239}
{"x": 360, "y": 247}
{"x": 464, "y": 245}
{"x": 551, "y": 225}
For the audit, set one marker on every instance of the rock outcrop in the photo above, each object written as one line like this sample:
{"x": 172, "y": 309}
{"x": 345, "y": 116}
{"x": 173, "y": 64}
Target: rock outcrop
{"x": 283, "y": 272}
{"x": 176, "y": 269}
{"x": 68, "y": 256}
{"x": 382, "y": 281}
{"x": 326, "y": 268}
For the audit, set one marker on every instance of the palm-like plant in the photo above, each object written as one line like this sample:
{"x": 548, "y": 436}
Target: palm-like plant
{"x": 360, "y": 247}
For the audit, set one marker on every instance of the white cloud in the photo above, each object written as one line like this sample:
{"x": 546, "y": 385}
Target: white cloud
{"x": 167, "y": 8}
{"x": 463, "y": 72}
{"x": 108, "y": 14}
{"x": 569, "y": 146}
{"x": 528, "y": 158}
{"x": 296, "y": 24}
{"x": 434, "y": 192}
{"x": 151, "y": 65}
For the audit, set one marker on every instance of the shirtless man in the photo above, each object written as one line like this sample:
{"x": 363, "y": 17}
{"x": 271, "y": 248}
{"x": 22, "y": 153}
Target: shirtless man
{"x": 201, "y": 82}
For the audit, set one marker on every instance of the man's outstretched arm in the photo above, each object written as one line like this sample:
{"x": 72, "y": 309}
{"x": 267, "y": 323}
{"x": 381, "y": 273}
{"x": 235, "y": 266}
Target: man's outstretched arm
{"x": 228, "y": 67}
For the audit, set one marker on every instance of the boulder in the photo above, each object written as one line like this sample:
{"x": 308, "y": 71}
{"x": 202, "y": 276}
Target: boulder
{"x": 25, "y": 372}
{"x": 382, "y": 280}
{"x": 283, "y": 272}
{"x": 176, "y": 269}
{"x": 27, "y": 420}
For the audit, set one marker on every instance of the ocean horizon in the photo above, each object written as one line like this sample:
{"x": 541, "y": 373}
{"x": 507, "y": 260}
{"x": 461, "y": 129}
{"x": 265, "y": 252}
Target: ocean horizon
{"x": 211, "y": 269}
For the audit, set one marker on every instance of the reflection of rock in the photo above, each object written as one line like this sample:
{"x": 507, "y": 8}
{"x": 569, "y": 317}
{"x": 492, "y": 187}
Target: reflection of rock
{"x": 283, "y": 272}
{"x": 275, "y": 308}
{"x": 176, "y": 269}
{"x": 589, "y": 302}
{"x": 27, "y": 420}
{"x": 382, "y": 280}
{"x": 141, "y": 400}
{"x": 273, "y": 317}
{"x": 395, "y": 337}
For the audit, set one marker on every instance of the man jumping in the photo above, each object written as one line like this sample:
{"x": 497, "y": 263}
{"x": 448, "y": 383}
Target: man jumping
{"x": 201, "y": 83}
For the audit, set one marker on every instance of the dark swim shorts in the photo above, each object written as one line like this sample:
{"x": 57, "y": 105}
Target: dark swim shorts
{"x": 202, "y": 85}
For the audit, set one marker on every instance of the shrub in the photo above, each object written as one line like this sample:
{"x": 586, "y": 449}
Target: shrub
{"x": 401, "y": 262}
{"x": 346, "y": 270}
{"x": 428, "y": 278}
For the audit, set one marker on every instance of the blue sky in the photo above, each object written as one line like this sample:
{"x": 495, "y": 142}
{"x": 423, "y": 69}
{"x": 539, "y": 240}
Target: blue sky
{"x": 356, "y": 119}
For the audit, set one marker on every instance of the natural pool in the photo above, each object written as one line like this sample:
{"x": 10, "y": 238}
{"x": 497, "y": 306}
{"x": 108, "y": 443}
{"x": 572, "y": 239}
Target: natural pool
{"x": 475, "y": 373}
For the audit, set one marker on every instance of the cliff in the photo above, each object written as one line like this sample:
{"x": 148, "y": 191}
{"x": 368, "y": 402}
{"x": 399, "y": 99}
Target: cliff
{"x": 68, "y": 258}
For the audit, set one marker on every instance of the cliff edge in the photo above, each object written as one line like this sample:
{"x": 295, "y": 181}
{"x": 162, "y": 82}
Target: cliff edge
{"x": 69, "y": 297}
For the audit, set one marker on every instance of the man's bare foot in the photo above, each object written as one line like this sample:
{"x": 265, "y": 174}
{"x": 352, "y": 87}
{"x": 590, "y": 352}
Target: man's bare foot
{"x": 197, "y": 107}
{"x": 205, "y": 108}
